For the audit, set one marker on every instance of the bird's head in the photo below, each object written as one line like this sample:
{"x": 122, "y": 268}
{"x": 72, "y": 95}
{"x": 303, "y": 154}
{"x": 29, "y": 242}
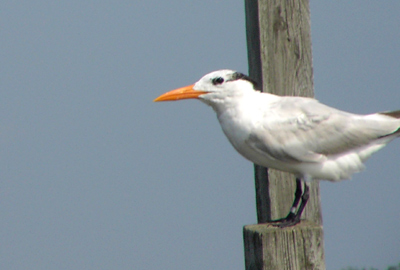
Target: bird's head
{"x": 217, "y": 84}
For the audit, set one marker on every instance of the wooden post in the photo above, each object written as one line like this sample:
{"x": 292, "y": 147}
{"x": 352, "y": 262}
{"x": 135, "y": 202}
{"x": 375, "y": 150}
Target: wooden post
{"x": 280, "y": 59}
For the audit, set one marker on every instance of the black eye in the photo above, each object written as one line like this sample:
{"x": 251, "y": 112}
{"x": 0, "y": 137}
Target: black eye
{"x": 217, "y": 80}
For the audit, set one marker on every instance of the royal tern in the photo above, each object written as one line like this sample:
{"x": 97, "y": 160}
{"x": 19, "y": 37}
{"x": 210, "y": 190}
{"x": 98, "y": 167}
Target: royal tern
{"x": 293, "y": 134}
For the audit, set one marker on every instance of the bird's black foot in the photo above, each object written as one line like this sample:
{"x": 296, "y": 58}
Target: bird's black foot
{"x": 290, "y": 220}
{"x": 293, "y": 217}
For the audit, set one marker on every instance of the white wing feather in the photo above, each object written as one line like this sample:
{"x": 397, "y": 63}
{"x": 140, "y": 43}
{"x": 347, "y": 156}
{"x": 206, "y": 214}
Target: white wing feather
{"x": 304, "y": 130}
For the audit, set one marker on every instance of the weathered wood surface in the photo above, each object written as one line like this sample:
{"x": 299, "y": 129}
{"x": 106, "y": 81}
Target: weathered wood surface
{"x": 274, "y": 248}
{"x": 280, "y": 59}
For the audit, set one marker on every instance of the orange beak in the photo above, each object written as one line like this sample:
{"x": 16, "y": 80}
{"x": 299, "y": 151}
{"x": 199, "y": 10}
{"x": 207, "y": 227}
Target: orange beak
{"x": 180, "y": 93}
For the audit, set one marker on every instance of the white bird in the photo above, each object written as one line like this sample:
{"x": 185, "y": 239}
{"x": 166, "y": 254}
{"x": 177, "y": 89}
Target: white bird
{"x": 293, "y": 134}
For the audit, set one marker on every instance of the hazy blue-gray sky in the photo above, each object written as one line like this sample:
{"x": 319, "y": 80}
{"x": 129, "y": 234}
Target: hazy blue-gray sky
{"x": 93, "y": 175}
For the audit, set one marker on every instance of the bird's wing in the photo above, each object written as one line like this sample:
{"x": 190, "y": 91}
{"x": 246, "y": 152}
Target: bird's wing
{"x": 304, "y": 130}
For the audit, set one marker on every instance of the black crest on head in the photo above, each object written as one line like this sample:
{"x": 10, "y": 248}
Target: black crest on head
{"x": 241, "y": 76}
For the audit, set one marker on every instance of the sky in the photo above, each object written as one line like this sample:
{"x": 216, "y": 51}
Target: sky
{"x": 94, "y": 175}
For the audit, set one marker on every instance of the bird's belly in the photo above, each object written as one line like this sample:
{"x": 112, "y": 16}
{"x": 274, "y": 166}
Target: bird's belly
{"x": 238, "y": 135}
{"x": 333, "y": 169}
{"x": 269, "y": 162}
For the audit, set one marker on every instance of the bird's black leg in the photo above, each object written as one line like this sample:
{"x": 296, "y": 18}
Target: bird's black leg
{"x": 294, "y": 217}
{"x": 304, "y": 200}
{"x": 297, "y": 197}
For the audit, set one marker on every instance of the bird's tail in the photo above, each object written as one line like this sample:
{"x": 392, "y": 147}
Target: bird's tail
{"x": 393, "y": 114}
